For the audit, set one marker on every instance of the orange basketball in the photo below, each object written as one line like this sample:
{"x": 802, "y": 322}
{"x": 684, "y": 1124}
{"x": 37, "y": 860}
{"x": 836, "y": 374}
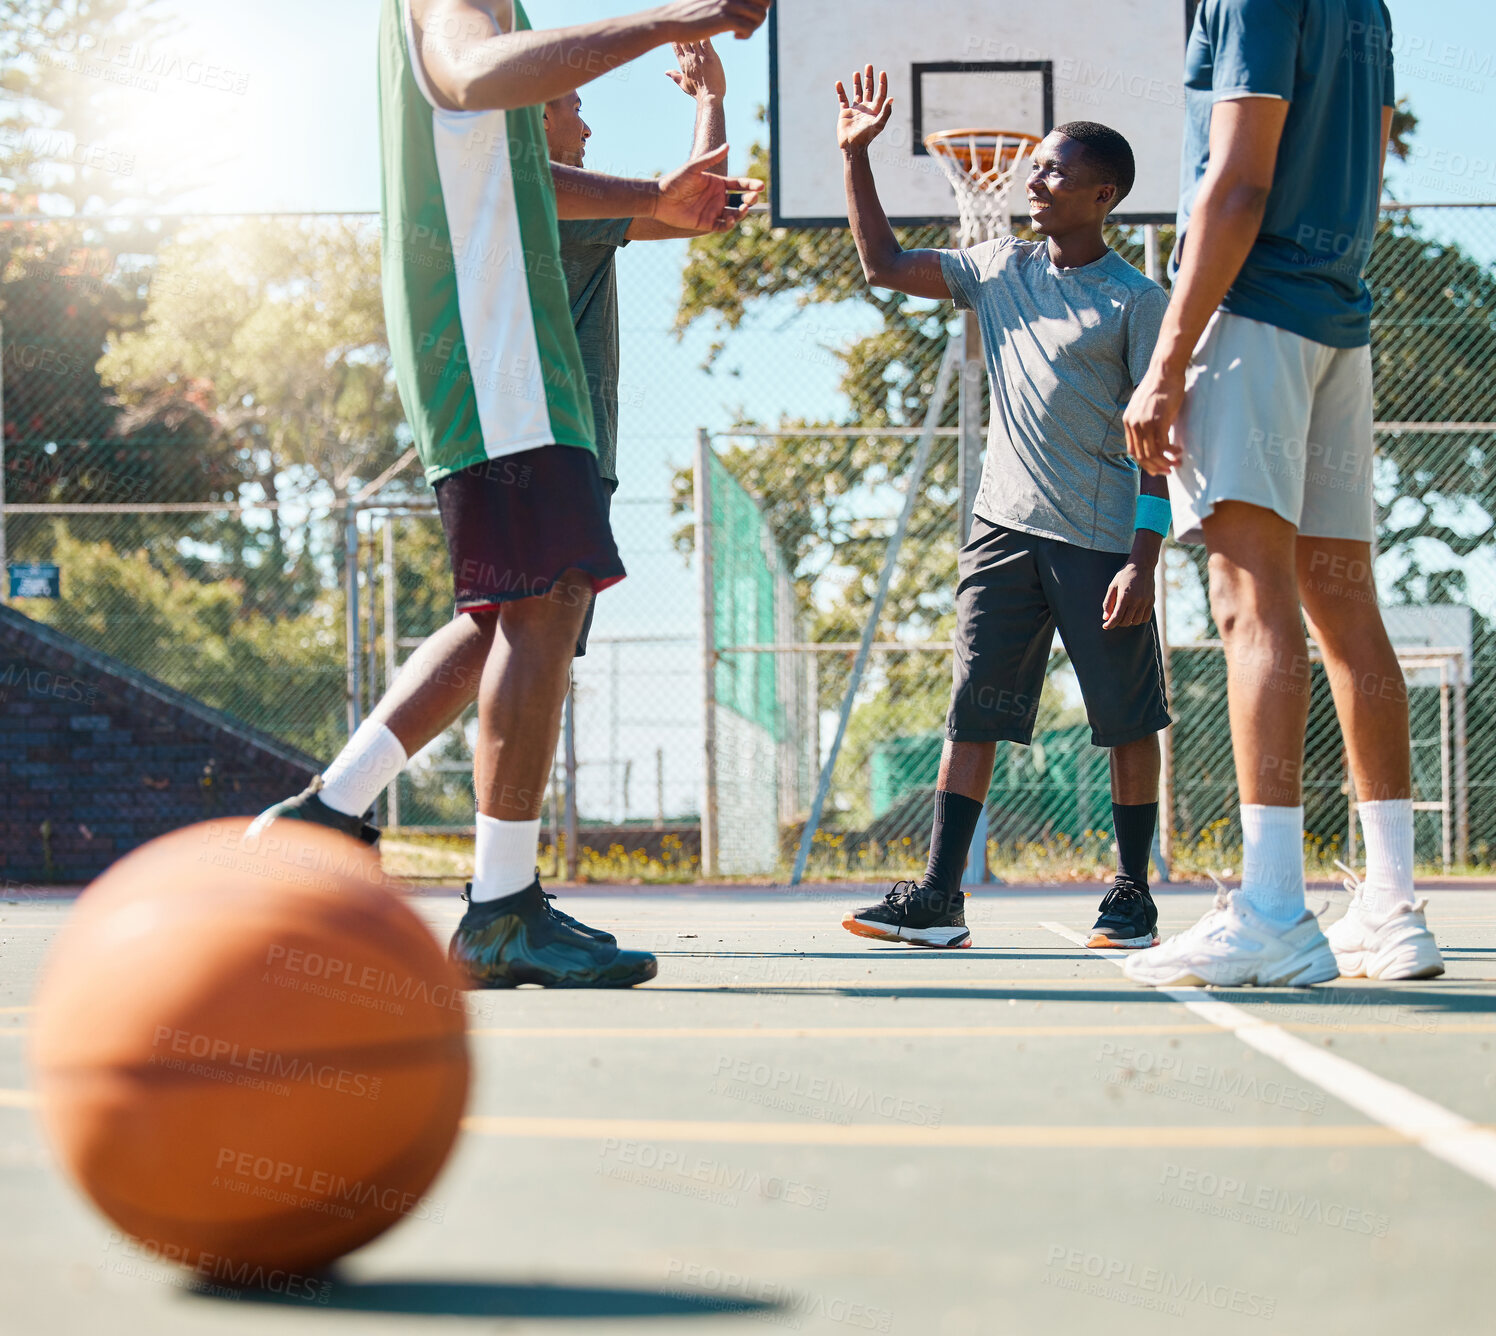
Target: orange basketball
{"x": 249, "y": 1053}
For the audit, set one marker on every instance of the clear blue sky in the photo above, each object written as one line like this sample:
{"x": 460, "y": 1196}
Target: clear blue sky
{"x": 302, "y": 133}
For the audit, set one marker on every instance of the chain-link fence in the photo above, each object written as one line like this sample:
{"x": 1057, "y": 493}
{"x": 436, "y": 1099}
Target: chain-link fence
{"x": 190, "y": 406}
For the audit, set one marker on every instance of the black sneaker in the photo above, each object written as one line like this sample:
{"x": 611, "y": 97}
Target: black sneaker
{"x": 1129, "y": 918}
{"x": 576, "y": 925}
{"x": 910, "y": 913}
{"x": 307, "y": 806}
{"x": 517, "y": 939}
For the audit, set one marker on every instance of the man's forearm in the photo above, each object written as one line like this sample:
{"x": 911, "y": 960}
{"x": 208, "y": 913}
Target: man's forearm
{"x": 1221, "y": 232}
{"x": 711, "y": 125}
{"x": 584, "y": 194}
{"x": 1146, "y": 545}
{"x": 498, "y": 71}
{"x": 877, "y": 247}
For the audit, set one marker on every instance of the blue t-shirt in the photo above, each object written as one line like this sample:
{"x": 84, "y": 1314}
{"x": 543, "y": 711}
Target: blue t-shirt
{"x": 1331, "y": 60}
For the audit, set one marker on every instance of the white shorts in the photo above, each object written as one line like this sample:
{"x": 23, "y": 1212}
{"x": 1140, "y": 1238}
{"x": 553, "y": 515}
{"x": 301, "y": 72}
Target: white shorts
{"x": 1279, "y": 421}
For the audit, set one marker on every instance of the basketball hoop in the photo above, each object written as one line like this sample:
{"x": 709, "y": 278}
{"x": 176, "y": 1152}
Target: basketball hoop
{"x": 982, "y": 166}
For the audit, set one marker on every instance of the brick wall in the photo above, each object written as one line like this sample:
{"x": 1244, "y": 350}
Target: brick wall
{"x": 96, "y": 759}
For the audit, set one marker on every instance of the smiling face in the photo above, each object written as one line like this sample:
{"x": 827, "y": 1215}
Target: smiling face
{"x": 566, "y": 133}
{"x": 1065, "y": 191}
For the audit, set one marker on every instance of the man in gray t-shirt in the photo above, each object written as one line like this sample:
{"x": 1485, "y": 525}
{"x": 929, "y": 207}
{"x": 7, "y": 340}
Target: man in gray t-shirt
{"x": 1061, "y": 538}
{"x": 1064, "y": 349}
{"x": 590, "y": 246}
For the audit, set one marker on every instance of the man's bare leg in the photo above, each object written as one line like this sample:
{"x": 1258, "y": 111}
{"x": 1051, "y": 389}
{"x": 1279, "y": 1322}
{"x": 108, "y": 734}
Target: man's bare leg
{"x": 436, "y": 684}
{"x": 509, "y": 935}
{"x": 439, "y": 681}
{"x": 520, "y": 696}
{"x": 966, "y": 768}
{"x": 1371, "y": 700}
{"x": 1127, "y": 917}
{"x": 1254, "y": 596}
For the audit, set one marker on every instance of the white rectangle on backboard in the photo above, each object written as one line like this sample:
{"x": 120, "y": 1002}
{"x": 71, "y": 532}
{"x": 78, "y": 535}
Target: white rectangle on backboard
{"x": 1448, "y": 626}
{"x": 971, "y": 64}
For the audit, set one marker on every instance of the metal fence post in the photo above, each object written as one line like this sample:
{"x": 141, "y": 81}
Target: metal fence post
{"x": 1461, "y": 770}
{"x": 569, "y": 719}
{"x": 351, "y": 631}
{"x": 391, "y": 658}
{"x": 1163, "y": 850}
{"x": 953, "y": 352}
{"x": 702, "y": 489}
{"x": 969, "y": 420}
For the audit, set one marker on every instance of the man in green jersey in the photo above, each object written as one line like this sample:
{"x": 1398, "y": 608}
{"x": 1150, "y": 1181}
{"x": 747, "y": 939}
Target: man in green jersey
{"x": 494, "y": 389}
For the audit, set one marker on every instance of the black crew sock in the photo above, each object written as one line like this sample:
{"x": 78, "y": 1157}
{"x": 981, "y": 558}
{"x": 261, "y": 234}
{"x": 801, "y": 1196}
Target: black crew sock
{"x": 1134, "y": 824}
{"x": 956, "y": 818}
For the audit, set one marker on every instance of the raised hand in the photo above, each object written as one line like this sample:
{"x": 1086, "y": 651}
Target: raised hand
{"x": 694, "y": 198}
{"x": 691, "y": 20}
{"x": 863, "y": 117}
{"x": 700, "y": 73}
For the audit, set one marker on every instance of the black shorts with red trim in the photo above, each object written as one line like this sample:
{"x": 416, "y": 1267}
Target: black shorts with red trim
{"x": 514, "y": 525}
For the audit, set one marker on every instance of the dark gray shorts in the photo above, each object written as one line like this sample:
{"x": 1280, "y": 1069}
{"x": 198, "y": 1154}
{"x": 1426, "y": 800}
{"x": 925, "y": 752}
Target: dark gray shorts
{"x": 1015, "y": 589}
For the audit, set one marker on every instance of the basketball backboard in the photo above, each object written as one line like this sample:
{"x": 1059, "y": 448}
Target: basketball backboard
{"x": 997, "y": 64}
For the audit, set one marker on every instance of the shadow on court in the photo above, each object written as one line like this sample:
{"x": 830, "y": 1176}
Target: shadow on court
{"x": 1423, "y": 1000}
{"x": 479, "y": 1298}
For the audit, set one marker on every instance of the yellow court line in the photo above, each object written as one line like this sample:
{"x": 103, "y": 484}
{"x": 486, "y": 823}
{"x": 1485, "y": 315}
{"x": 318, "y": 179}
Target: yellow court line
{"x": 931, "y": 1138}
{"x": 874, "y": 981}
{"x": 833, "y": 1031}
{"x": 936, "y": 1031}
{"x": 17, "y": 1099}
{"x": 12, "y": 1011}
{"x": 908, "y": 1031}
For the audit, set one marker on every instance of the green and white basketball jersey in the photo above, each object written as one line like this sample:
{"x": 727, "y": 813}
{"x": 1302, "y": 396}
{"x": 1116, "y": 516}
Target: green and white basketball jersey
{"x": 475, "y": 299}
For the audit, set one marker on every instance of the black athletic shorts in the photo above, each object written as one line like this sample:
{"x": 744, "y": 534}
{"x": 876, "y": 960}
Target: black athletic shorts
{"x": 517, "y": 523}
{"x": 1015, "y": 589}
{"x": 610, "y": 488}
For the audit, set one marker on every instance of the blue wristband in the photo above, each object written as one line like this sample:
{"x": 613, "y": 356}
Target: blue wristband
{"x": 1153, "y": 513}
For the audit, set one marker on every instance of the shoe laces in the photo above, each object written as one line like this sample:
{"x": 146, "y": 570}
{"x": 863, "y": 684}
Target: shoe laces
{"x": 1123, "y": 888}
{"x": 902, "y": 892}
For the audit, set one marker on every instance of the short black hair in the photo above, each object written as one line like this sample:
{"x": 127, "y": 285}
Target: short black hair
{"x": 1107, "y": 151}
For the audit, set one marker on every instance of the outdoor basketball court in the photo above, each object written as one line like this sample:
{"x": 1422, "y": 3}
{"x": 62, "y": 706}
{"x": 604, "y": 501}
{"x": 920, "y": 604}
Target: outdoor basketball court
{"x": 793, "y": 1127}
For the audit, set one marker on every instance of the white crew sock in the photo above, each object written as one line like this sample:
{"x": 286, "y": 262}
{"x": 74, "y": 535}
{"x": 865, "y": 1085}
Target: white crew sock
{"x": 363, "y": 769}
{"x": 1387, "y": 828}
{"x": 1272, "y": 875}
{"x": 504, "y": 861}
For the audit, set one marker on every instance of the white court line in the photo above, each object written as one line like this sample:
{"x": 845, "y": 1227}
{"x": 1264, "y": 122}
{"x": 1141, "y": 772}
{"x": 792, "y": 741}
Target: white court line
{"x": 1440, "y": 1131}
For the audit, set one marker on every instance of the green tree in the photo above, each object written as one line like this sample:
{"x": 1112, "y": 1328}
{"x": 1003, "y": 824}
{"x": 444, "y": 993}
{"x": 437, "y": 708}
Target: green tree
{"x": 275, "y": 331}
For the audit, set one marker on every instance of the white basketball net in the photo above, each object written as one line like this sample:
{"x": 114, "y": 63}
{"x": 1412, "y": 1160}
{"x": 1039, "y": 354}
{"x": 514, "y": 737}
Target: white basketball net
{"x": 982, "y": 166}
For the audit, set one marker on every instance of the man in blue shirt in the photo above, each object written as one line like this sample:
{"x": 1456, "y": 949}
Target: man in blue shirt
{"x": 1258, "y": 406}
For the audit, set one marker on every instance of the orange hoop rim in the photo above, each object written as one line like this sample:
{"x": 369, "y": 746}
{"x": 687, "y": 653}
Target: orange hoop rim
{"x": 958, "y": 145}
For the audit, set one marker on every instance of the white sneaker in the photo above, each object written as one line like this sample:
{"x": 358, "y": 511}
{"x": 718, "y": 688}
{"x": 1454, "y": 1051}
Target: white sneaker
{"x": 1399, "y": 945}
{"x": 1234, "y": 945}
